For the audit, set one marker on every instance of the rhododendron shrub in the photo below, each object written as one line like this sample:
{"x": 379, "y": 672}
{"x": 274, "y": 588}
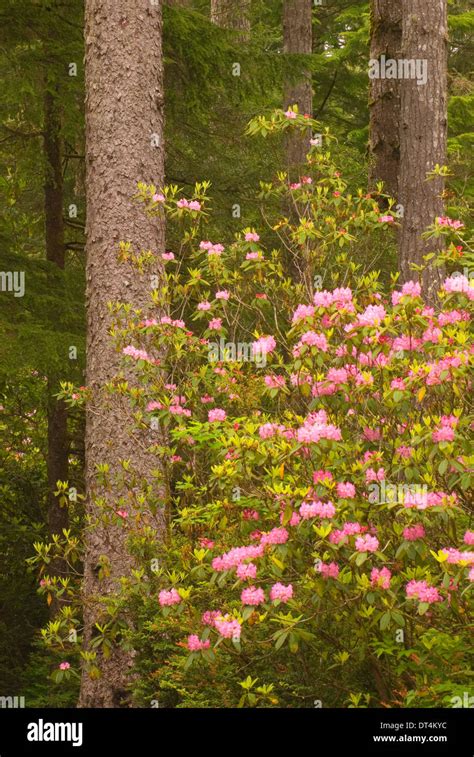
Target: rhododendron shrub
{"x": 320, "y": 536}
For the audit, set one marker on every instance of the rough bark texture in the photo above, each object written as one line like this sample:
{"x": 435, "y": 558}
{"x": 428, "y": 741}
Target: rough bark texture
{"x": 58, "y": 446}
{"x": 124, "y": 115}
{"x": 423, "y": 134}
{"x": 232, "y": 14}
{"x": 384, "y": 135}
{"x": 298, "y": 40}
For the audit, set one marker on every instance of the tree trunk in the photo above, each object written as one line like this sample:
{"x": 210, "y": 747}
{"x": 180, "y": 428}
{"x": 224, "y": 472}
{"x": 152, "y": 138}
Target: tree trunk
{"x": 124, "y": 125}
{"x": 298, "y": 39}
{"x": 58, "y": 447}
{"x": 232, "y": 14}
{"x": 423, "y": 135}
{"x": 384, "y": 135}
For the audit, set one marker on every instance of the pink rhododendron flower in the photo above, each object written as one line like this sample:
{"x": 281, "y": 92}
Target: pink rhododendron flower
{"x": 459, "y": 284}
{"x": 290, "y": 114}
{"x": 206, "y": 543}
{"x": 386, "y": 219}
{"x": 327, "y": 570}
{"x": 422, "y": 591}
{"x": 263, "y": 345}
{"x": 229, "y": 629}
{"x": 208, "y": 618}
{"x": 412, "y": 533}
{"x": 195, "y": 644}
{"x": 189, "y": 204}
{"x": 158, "y": 197}
{"x": 274, "y": 381}
{"x": 236, "y": 556}
{"x": 446, "y": 221}
{"x": 210, "y": 248}
{"x": 367, "y": 543}
{"x": 216, "y": 414}
{"x": 317, "y": 509}
{"x": 167, "y": 598}
{"x": 281, "y": 592}
{"x": 275, "y": 536}
{"x": 301, "y": 312}
{"x": 245, "y": 571}
{"x": 122, "y": 514}
{"x": 469, "y": 537}
{"x": 254, "y": 256}
{"x": 252, "y": 236}
{"x": 168, "y": 256}
{"x": 64, "y": 665}
{"x": 204, "y": 305}
{"x": 215, "y": 324}
{"x": 222, "y": 295}
{"x": 381, "y": 578}
{"x": 316, "y": 428}
{"x": 345, "y": 490}
{"x": 252, "y": 596}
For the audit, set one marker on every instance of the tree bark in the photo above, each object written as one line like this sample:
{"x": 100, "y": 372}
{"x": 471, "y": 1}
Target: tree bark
{"x": 124, "y": 125}
{"x": 232, "y": 14}
{"x": 298, "y": 39}
{"x": 58, "y": 446}
{"x": 423, "y": 135}
{"x": 384, "y": 134}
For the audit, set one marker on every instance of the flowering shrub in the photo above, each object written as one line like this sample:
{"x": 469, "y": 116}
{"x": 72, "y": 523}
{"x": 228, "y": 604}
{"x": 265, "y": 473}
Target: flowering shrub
{"x": 319, "y": 537}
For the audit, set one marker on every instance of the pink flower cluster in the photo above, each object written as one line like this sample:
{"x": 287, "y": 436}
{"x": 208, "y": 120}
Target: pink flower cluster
{"x": 264, "y": 345}
{"x": 252, "y": 236}
{"x": 210, "y": 248}
{"x": 138, "y": 354}
{"x": 345, "y": 490}
{"x": 380, "y": 578}
{"x": 469, "y": 537}
{"x": 327, "y": 570}
{"x": 342, "y": 298}
{"x": 236, "y": 556}
{"x": 246, "y": 571}
{"x": 252, "y": 596}
{"x": 367, "y": 543}
{"x": 317, "y": 509}
{"x": 445, "y": 432}
{"x": 450, "y": 222}
{"x": 316, "y": 427}
{"x": 409, "y": 289}
{"x": 196, "y": 645}
{"x": 274, "y": 381}
{"x": 302, "y": 312}
{"x": 189, "y": 204}
{"x": 167, "y": 598}
{"x": 412, "y": 533}
{"x": 455, "y": 556}
{"x": 459, "y": 284}
{"x": 229, "y": 629}
{"x": 422, "y": 591}
{"x": 281, "y": 592}
{"x": 311, "y": 339}
{"x": 275, "y": 536}
{"x": 216, "y": 415}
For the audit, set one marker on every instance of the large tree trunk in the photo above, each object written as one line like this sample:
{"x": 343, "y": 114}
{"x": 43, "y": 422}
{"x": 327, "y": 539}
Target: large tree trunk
{"x": 58, "y": 447}
{"x": 124, "y": 125}
{"x": 232, "y": 14}
{"x": 384, "y": 135}
{"x": 423, "y": 134}
{"x": 298, "y": 39}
